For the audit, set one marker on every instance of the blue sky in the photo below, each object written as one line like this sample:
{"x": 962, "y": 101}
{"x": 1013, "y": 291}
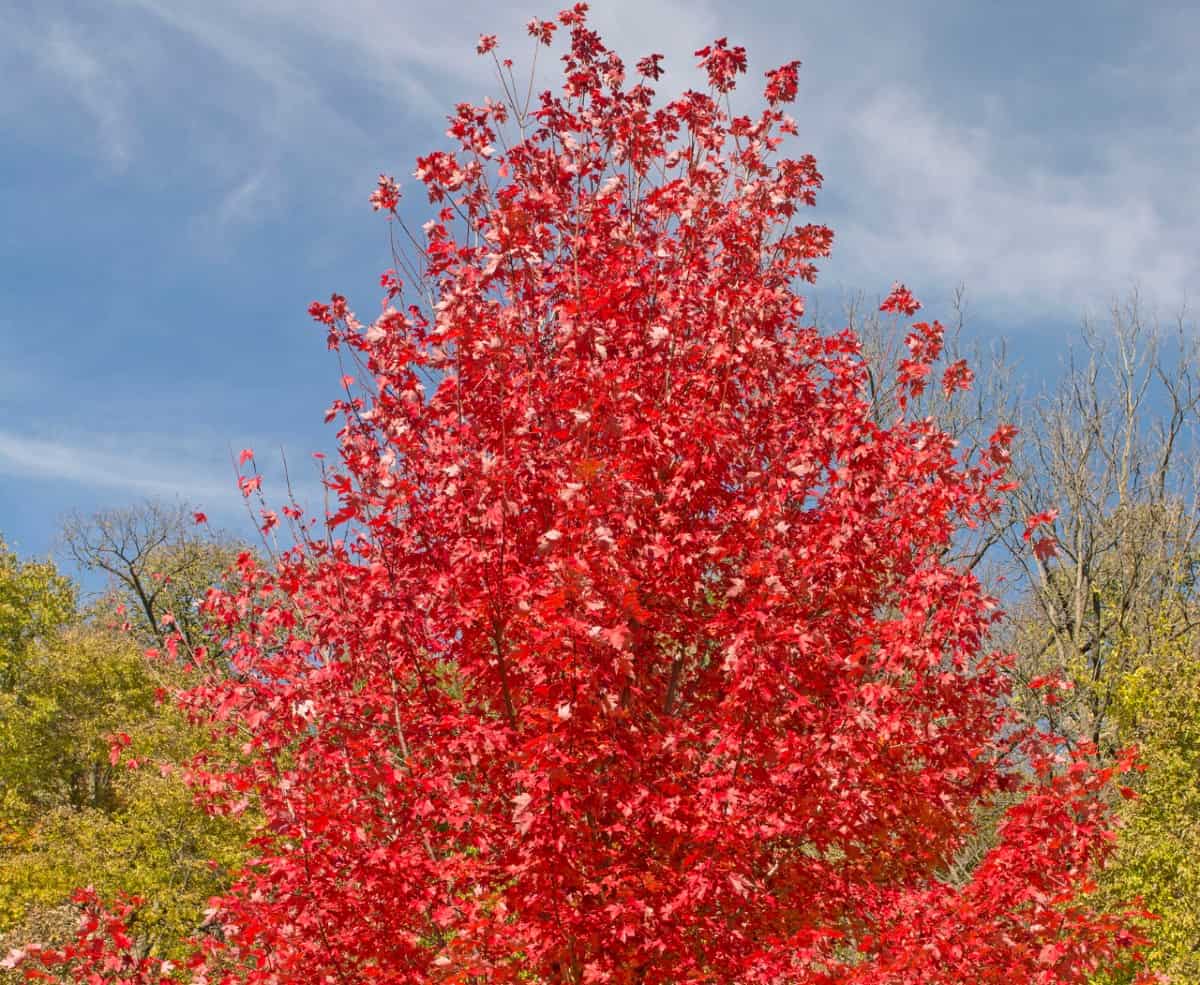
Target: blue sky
{"x": 179, "y": 178}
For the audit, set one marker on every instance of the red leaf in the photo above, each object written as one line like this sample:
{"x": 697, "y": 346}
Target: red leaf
{"x": 629, "y": 649}
{"x": 900, "y": 301}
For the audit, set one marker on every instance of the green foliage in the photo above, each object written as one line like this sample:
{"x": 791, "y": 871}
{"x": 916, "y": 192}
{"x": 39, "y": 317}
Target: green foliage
{"x": 35, "y": 600}
{"x": 69, "y": 815}
{"x": 1158, "y": 856}
{"x": 1125, "y": 636}
{"x": 159, "y": 563}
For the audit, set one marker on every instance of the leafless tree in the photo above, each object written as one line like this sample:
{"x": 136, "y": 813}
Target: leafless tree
{"x": 156, "y": 560}
{"x": 1113, "y": 449}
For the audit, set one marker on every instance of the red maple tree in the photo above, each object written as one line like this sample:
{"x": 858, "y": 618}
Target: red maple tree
{"x": 631, "y": 653}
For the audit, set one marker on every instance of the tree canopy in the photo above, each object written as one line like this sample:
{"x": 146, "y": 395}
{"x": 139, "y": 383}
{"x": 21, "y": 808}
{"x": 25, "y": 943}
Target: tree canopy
{"x": 636, "y": 648}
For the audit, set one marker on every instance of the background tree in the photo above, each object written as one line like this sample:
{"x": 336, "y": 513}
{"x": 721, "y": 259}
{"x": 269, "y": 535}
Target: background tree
{"x": 159, "y": 562}
{"x": 1105, "y": 627}
{"x": 1112, "y": 452}
{"x": 69, "y": 814}
{"x": 35, "y": 600}
{"x": 1157, "y": 706}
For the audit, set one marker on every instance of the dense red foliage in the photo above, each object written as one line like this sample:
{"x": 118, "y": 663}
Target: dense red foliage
{"x": 639, "y": 661}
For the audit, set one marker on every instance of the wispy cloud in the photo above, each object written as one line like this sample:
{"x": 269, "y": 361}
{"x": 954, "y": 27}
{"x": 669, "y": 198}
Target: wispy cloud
{"x": 92, "y": 464}
{"x": 339, "y": 93}
{"x": 242, "y": 202}
{"x": 952, "y": 204}
{"x": 926, "y": 197}
{"x": 99, "y": 462}
{"x": 301, "y": 93}
{"x": 408, "y": 47}
{"x": 74, "y": 64}
{"x": 246, "y": 201}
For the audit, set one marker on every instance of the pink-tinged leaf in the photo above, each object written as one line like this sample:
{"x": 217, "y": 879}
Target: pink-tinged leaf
{"x": 1038, "y": 520}
{"x": 900, "y": 302}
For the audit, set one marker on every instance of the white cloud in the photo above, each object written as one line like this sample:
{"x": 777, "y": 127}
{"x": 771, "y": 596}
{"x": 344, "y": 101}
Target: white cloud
{"x": 401, "y": 43}
{"x": 245, "y": 202}
{"x": 922, "y": 197}
{"x": 297, "y": 72}
{"x": 91, "y": 463}
{"x": 93, "y": 84}
{"x": 929, "y": 199}
{"x": 110, "y": 462}
{"x": 948, "y": 204}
